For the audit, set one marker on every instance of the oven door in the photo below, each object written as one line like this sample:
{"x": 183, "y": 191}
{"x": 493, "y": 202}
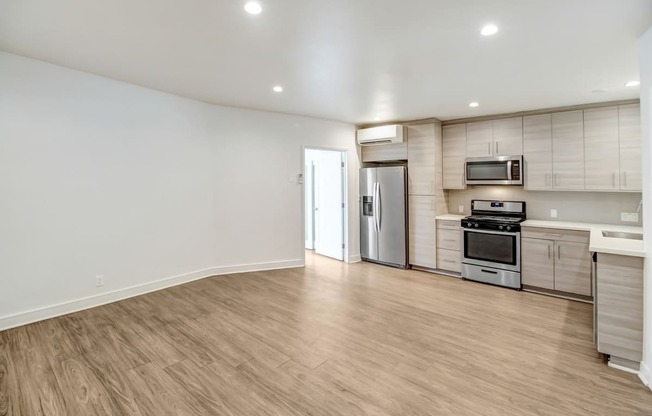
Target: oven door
{"x": 496, "y": 249}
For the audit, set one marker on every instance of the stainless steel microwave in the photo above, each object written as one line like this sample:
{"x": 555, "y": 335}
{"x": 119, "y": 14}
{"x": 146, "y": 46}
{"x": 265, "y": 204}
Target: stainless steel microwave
{"x": 498, "y": 170}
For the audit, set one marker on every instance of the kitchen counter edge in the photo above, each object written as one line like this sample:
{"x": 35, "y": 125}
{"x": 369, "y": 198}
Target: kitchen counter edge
{"x": 599, "y": 243}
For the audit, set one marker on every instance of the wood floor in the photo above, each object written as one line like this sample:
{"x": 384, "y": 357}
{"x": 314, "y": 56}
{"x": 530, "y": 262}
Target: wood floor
{"x": 327, "y": 339}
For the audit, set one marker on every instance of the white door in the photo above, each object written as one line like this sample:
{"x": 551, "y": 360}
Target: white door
{"x": 328, "y": 202}
{"x": 309, "y": 178}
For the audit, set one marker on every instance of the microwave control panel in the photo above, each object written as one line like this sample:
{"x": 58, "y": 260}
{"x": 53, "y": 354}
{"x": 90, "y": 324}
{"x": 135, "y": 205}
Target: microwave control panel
{"x": 516, "y": 170}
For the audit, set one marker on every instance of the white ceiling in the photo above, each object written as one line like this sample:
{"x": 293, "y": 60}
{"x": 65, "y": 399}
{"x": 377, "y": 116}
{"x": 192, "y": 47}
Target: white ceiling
{"x": 348, "y": 60}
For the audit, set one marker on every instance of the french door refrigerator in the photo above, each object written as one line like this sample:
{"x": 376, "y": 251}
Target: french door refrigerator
{"x": 383, "y": 219}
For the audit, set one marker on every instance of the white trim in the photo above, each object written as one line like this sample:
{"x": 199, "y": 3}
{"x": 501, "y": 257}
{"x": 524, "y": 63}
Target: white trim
{"x": 35, "y": 315}
{"x": 354, "y": 258}
{"x": 622, "y": 368}
{"x": 645, "y": 374}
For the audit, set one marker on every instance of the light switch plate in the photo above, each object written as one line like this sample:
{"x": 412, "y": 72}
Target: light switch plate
{"x": 553, "y": 213}
{"x": 460, "y": 208}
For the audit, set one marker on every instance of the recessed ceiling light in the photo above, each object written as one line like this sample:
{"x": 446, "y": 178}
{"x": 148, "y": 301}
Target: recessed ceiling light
{"x": 473, "y": 104}
{"x": 632, "y": 84}
{"x": 489, "y": 30}
{"x": 278, "y": 88}
{"x": 253, "y": 7}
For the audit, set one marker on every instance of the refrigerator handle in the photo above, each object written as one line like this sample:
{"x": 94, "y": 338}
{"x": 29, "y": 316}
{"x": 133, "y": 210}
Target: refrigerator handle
{"x": 375, "y": 206}
{"x": 379, "y": 213}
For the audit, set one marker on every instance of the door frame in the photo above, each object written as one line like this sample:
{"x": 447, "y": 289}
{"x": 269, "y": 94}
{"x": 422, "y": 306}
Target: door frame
{"x": 345, "y": 197}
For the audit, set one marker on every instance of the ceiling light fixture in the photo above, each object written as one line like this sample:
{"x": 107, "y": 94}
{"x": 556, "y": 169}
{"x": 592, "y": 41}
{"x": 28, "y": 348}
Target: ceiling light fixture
{"x": 474, "y": 104}
{"x": 253, "y": 7}
{"x": 489, "y": 30}
{"x": 278, "y": 88}
{"x": 632, "y": 84}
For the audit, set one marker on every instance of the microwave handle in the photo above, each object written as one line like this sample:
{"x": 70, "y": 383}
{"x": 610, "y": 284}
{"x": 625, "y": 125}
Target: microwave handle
{"x": 509, "y": 169}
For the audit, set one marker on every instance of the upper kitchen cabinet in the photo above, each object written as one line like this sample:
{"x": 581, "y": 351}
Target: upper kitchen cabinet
{"x": 502, "y": 137}
{"x": 385, "y": 152}
{"x": 601, "y": 167}
{"x": 479, "y": 139}
{"x": 629, "y": 128}
{"x": 421, "y": 149}
{"x": 537, "y": 152}
{"x": 454, "y": 153}
{"x": 568, "y": 150}
{"x": 508, "y": 136}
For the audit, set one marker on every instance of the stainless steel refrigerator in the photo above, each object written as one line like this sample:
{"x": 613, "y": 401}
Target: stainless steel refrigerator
{"x": 383, "y": 219}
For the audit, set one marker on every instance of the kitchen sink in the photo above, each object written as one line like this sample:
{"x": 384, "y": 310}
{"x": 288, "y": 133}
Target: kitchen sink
{"x": 621, "y": 234}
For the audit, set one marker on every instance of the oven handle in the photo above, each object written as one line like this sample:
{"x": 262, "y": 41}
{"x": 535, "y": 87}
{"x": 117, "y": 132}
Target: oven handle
{"x": 514, "y": 233}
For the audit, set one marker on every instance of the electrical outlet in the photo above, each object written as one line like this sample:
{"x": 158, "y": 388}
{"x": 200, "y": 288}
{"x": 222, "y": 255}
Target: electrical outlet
{"x": 553, "y": 213}
{"x": 99, "y": 280}
{"x": 460, "y": 208}
{"x": 629, "y": 216}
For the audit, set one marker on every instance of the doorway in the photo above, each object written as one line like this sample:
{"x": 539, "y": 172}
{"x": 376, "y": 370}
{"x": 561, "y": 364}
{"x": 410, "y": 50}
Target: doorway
{"x": 325, "y": 201}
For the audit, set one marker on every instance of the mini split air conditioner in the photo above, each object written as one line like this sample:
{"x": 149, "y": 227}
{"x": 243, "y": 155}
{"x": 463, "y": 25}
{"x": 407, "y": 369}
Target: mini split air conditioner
{"x": 380, "y": 135}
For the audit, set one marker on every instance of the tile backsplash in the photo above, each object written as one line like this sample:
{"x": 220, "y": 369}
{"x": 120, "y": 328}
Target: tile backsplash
{"x": 598, "y": 207}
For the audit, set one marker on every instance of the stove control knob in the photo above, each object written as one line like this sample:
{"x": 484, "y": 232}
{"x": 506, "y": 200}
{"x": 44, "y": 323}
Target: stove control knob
{"x": 500, "y": 227}
{"x": 476, "y": 225}
{"x": 509, "y": 227}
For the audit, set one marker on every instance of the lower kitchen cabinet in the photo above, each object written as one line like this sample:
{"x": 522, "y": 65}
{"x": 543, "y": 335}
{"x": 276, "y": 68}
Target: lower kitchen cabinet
{"x": 556, "y": 260}
{"x": 422, "y": 231}
{"x": 449, "y": 246}
{"x": 619, "y": 307}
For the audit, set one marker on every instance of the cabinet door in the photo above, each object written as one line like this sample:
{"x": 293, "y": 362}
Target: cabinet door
{"x": 568, "y": 150}
{"x": 384, "y": 152}
{"x": 572, "y": 268}
{"x": 479, "y": 139}
{"x": 537, "y": 263}
{"x": 619, "y": 302}
{"x": 508, "y": 136}
{"x": 422, "y": 231}
{"x": 629, "y": 117}
{"x": 601, "y": 164}
{"x": 454, "y": 153}
{"x": 537, "y": 151}
{"x": 421, "y": 159}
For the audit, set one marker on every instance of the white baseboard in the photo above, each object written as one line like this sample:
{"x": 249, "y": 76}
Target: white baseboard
{"x": 645, "y": 374}
{"x": 354, "y": 258}
{"x": 40, "y": 314}
{"x": 623, "y": 368}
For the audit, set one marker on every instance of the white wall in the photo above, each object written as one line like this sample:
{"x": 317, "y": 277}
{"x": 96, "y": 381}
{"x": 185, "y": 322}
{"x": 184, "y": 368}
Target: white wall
{"x": 645, "y": 56}
{"x": 102, "y": 177}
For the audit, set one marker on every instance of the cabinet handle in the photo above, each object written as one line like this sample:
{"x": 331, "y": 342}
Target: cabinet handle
{"x": 489, "y": 148}
{"x": 556, "y": 179}
{"x": 496, "y": 148}
{"x": 548, "y": 250}
{"x": 559, "y": 252}
{"x": 613, "y": 180}
{"x": 625, "y": 179}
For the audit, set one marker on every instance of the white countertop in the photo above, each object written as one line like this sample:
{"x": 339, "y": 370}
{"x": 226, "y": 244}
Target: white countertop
{"x": 598, "y": 242}
{"x": 450, "y": 217}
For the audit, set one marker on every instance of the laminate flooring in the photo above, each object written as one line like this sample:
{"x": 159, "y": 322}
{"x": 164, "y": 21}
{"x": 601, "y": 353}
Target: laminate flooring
{"x": 327, "y": 339}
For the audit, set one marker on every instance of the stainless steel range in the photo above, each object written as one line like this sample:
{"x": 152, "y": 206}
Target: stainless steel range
{"x": 492, "y": 242}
